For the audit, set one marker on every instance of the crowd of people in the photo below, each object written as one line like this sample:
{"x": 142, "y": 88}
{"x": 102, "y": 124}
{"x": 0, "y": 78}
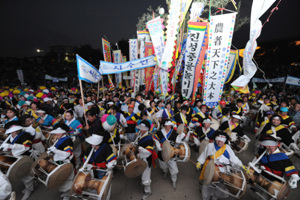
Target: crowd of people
{"x": 89, "y": 131}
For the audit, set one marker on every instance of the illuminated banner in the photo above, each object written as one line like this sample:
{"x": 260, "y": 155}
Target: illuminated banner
{"x": 118, "y": 59}
{"x": 113, "y": 68}
{"x": 196, "y": 32}
{"x": 292, "y": 81}
{"x": 106, "y": 50}
{"x": 86, "y": 71}
{"x": 156, "y": 33}
{"x": 185, "y": 4}
{"x": 219, "y": 43}
{"x": 232, "y": 59}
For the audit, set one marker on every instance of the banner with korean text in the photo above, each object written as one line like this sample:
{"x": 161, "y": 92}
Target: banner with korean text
{"x": 118, "y": 59}
{"x": 196, "y": 32}
{"x": 219, "y": 43}
{"x": 156, "y": 33}
{"x": 199, "y": 67}
{"x": 133, "y": 55}
{"x": 114, "y": 68}
{"x": 270, "y": 80}
{"x": 86, "y": 71}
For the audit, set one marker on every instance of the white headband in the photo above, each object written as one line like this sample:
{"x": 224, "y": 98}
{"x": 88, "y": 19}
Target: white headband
{"x": 221, "y": 138}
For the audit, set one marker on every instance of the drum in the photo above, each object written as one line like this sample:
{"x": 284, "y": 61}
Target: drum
{"x": 50, "y": 173}
{"x": 15, "y": 168}
{"x": 84, "y": 184}
{"x": 239, "y": 145}
{"x": 182, "y": 152}
{"x": 277, "y": 189}
{"x": 202, "y": 146}
{"x": 51, "y": 140}
{"x": 234, "y": 182}
{"x": 133, "y": 166}
{"x": 2, "y": 134}
{"x": 215, "y": 125}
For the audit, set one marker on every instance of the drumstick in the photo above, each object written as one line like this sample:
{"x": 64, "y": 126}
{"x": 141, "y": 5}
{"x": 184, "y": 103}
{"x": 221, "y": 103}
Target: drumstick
{"x": 193, "y": 162}
{"x": 120, "y": 166}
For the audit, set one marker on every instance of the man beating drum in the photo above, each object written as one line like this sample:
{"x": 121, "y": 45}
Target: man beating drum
{"x": 19, "y": 143}
{"x": 224, "y": 158}
{"x": 63, "y": 153}
{"x": 168, "y": 134}
{"x": 147, "y": 154}
{"x": 273, "y": 165}
{"x": 103, "y": 157}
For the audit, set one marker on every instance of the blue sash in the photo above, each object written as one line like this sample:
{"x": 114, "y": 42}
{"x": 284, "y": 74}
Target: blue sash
{"x": 129, "y": 117}
{"x": 60, "y": 141}
{"x": 97, "y": 153}
{"x": 144, "y": 139}
{"x": 18, "y": 136}
{"x": 168, "y": 135}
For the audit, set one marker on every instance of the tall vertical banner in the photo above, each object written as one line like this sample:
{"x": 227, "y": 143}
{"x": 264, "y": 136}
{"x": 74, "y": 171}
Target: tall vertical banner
{"x": 196, "y": 32}
{"x": 106, "y": 50}
{"x": 107, "y": 57}
{"x": 196, "y": 10}
{"x": 149, "y": 70}
{"x": 124, "y": 60}
{"x": 258, "y": 9}
{"x": 118, "y": 59}
{"x": 20, "y": 76}
{"x": 185, "y": 4}
{"x": 156, "y": 33}
{"x": 172, "y": 30}
{"x": 133, "y": 55}
{"x": 198, "y": 70}
{"x": 143, "y": 36}
{"x": 219, "y": 43}
{"x": 232, "y": 60}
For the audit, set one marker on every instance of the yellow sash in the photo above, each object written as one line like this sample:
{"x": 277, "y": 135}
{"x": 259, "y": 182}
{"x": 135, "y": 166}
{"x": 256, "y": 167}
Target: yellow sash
{"x": 216, "y": 155}
{"x": 220, "y": 109}
{"x": 278, "y": 128}
{"x": 113, "y": 136}
{"x": 232, "y": 126}
{"x": 183, "y": 118}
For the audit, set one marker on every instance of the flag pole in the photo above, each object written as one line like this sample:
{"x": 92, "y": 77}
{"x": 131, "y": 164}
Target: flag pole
{"x": 82, "y": 98}
{"x": 98, "y": 91}
{"x": 102, "y": 86}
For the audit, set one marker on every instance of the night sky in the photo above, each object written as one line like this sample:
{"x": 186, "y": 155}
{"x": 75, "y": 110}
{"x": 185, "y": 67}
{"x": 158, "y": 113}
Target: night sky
{"x": 27, "y": 25}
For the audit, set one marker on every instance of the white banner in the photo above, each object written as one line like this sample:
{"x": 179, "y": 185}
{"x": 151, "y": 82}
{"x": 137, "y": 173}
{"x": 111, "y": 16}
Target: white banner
{"x": 219, "y": 43}
{"x": 259, "y": 7}
{"x": 143, "y": 37}
{"x": 20, "y": 76}
{"x": 196, "y": 32}
{"x": 118, "y": 59}
{"x": 156, "y": 33}
{"x": 114, "y": 68}
{"x": 55, "y": 79}
{"x": 133, "y": 55}
{"x": 86, "y": 71}
{"x": 290, "y": 80}
{"x": 271, "y": 80}
{"x": 196, "y": 10}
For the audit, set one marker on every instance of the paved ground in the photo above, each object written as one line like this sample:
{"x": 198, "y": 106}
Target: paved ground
{"x": 187, "y": 187}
